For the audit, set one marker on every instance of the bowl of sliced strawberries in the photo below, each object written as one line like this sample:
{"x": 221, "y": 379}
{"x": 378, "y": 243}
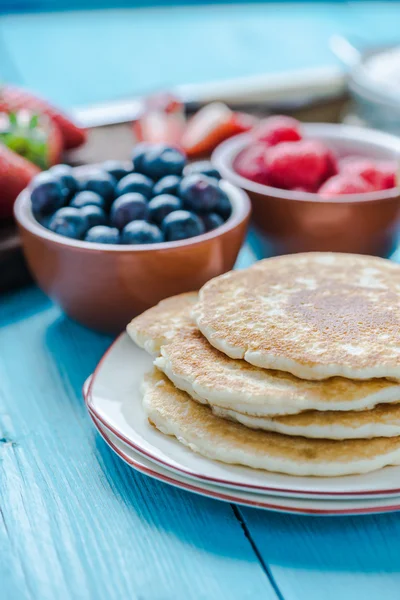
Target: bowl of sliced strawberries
{"x": 33, "y": 137}
{"x": 317, "y": 186}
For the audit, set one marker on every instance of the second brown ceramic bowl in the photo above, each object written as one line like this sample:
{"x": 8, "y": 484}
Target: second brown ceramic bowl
{"x": 104, "y": 286}
{"x": 289, "y": 222}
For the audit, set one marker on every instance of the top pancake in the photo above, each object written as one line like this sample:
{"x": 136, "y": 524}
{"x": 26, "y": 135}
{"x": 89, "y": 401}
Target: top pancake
{"x": 314, "y": 315}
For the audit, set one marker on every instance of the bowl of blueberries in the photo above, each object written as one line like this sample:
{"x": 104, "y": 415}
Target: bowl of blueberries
{"x": 108, "y": 241}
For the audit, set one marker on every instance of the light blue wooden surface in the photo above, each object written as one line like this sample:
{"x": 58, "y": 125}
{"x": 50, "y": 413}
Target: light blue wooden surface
{"x": 82, "y": 57}
{"x": 77, "y": 523}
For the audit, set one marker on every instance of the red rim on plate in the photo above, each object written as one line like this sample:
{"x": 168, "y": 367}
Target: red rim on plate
{"x": 234, "y": 499}
{"x": 190, "y": 473}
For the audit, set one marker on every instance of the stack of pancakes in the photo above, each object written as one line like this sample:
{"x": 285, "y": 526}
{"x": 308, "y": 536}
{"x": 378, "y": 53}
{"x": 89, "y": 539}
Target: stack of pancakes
{"x": 292, "y": 365}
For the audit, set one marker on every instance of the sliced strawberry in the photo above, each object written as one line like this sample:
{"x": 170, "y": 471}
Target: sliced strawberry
{"x": 160, "y": 127}
{"x": 163, "y": 121}
{"x": 13, "y": 99}
{"x": 244, "y": 122}
{"x": 210, "y": 126}
{"x": 15, "y": 175}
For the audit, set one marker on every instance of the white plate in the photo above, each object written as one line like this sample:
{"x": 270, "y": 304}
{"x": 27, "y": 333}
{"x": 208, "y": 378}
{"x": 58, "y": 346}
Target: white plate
{"x": 305, "y": 506}
{"x": 114, "y": 399}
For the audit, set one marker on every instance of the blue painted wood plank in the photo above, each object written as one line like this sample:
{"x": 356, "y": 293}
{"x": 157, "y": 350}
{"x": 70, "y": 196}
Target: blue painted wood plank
{"x": 333, "y": 558}
{"x": 76, "y": 521}
{"x": 78, "y": 58}
{"x": 8, "y": 70}
{"x": 109, "y": 54}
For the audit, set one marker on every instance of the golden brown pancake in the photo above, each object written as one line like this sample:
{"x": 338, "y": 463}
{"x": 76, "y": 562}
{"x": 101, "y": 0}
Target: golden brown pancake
{"x": 212, "y": 377}
{"x": 156, "y": 326}
{"x": 314, "y": 315}
{"x": 175, "y": 413}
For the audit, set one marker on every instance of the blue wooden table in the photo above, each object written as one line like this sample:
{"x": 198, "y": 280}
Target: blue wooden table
{"x": 76, "y": 522}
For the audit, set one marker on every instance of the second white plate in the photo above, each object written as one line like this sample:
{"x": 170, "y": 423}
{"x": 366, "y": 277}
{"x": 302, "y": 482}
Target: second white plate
{"x": 298, "y": 506}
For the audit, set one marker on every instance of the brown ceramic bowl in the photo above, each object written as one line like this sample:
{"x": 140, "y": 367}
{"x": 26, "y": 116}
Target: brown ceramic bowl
{"x": 104, "y": 286}
{"x": 288, "y": 222}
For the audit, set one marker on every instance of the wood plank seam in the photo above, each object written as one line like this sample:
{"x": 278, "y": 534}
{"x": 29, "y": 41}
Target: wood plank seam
{"x": 263, "y": 564}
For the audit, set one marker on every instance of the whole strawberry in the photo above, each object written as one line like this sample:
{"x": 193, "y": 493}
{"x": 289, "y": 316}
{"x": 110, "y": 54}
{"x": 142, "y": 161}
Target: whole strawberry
{"x": 275, "y": 130}
{"x": 13, "y": 99}
{"x": 303, "y": 164}
{"x": 34, "y": 137}
{"x": 15, "y": 175}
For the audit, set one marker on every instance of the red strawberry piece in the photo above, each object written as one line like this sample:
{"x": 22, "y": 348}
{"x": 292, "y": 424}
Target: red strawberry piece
{"x": 55, "y": 145}
{"x": 13, "y": 99}
{"x": 164, "y": 102}
{"x": 210, "y": 126}
{"x": 297, "y": 164}
{"x": 15, "y": 174}
{"x": 244, "y": 122}
{"x": 388, "y": 169}
{"x": 163, "y": 120}
{"x": 275, "y": 130}
{"x": 333, "y": 168}
{"x": 365, "y": 168}
{"x": 250, "y": 163}
{"x": 344, "y": 184}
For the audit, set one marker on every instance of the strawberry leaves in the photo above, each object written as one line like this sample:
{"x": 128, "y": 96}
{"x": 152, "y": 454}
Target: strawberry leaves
{"x": 26, "y": 134}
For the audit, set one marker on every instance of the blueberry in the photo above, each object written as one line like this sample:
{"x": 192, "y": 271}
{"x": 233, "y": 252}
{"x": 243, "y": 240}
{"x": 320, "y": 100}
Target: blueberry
{"x": 200, "y": 193}
{"x": 224, "y": 206}
{"x": 204, "y": 167}
{"x": 212, "y": 221}
{"x": 138, "y": 154}
{"x": 135, "y": 182}
{"x": 181, "y": 224}
{"x": 69, "y": 221}
{"x": 101, "y": 183}
{"x": 47, "y": 194}
{"x": 167, "y": 185}
{"x": 94, "y": 215}
{"x": 127, "y": 208}
{"x": 116, "y": 169}
{"x": 87, "y": 199}
{"x": 44, "y": 220}
{"x": 101, "y": 234}
{"x": 161, "y": 161}
{"x": 65, "y": 174}
{"x": 141, "y": 232}
{"x": 161, "y": 206}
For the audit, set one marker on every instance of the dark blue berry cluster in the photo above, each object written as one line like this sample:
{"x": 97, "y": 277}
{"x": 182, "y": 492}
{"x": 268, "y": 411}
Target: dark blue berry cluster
{"x": 156, "y": 198}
